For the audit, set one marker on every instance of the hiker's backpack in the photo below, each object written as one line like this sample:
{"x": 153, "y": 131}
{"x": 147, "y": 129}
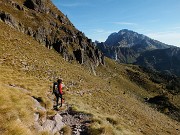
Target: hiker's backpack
{"x": 55, "y": 88}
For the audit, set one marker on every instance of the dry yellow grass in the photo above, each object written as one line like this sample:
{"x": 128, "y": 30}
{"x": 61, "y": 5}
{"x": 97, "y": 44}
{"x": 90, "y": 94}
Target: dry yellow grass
{"x": 28, "y": 69}
{"x": 15, "y": 111}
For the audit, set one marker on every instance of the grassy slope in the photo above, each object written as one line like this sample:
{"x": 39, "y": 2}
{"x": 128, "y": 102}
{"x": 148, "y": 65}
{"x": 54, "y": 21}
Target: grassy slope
{"x": 28, "y": 69}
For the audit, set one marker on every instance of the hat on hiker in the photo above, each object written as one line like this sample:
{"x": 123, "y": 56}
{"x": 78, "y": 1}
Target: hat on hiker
{"x": 59, "y": 80}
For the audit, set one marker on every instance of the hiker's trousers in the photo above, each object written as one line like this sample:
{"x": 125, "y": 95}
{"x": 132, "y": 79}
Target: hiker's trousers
{"x": 57, "y": 99}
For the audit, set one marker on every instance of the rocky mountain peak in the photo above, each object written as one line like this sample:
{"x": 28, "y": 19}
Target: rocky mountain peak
{"x": 124, "y": 31}
{"x": 129, "y": 38}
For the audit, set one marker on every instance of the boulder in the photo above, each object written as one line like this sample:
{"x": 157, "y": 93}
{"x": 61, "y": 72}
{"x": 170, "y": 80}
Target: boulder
{"x": 58, "y": 123}
{"x": 16, "y": 5}
{"x": 54, "y": 125}
{"x": 37, "y": 5}
{"x": 8, "y": 19}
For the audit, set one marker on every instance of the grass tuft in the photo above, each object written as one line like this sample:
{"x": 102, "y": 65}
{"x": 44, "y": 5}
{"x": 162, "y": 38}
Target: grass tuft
{"x": 96, "y": 131}
{"x": 112, "y": 121}
{"x": 66, "y": 130}
{"x": 44, "y": 133}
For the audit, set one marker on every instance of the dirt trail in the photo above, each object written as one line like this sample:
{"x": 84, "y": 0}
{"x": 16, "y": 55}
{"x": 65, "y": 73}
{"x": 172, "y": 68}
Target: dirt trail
{"x": 77, "y": 121}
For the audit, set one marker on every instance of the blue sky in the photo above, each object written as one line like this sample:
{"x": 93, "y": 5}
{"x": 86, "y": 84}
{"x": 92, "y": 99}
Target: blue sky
{"x": 158, "y": 19}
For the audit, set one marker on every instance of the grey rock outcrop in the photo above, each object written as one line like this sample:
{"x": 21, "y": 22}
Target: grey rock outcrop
{"x": 52, "y": 125}
{"x": 79, "y": 55}
{"x": 16, "y": 5}
{"x": 37, "y": 5}
{"x": 8, "y": 19}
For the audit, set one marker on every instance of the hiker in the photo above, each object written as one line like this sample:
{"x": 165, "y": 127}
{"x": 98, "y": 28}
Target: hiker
{"x": 57, "y": 90}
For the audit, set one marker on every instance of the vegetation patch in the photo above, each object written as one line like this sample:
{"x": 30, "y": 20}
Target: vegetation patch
{"x": 112, "y": 121}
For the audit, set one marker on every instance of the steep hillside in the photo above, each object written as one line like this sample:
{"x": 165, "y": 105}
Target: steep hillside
{"x": 41, "y": 20}
{"x": 28, "y": 69}
{"x": 120, "y": 54}
{"x": 165, "y": 60}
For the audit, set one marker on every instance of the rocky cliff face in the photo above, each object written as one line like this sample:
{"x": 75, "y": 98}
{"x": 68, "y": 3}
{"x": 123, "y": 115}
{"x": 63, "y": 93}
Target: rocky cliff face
{"x": 41, "y": 20}
{"x": 120, "y": 54}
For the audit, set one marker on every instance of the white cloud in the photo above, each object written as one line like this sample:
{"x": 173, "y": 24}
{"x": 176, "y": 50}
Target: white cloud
{"x": 102, "y": 31}
{"x": 125, "y": 23}
{"x": 171, "y": 38}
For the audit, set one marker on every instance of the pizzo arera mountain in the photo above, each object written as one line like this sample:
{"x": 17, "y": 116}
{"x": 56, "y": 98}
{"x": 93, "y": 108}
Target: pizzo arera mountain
{"x": 128, "y": 46}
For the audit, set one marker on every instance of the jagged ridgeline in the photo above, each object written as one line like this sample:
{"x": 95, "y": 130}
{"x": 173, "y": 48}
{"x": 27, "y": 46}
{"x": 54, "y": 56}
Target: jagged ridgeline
{"x": 41, "y": 20}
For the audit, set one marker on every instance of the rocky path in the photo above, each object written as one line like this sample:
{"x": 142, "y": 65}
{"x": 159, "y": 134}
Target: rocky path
{"x": 77, "y": 121}
{"x": 65, "y": 116}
